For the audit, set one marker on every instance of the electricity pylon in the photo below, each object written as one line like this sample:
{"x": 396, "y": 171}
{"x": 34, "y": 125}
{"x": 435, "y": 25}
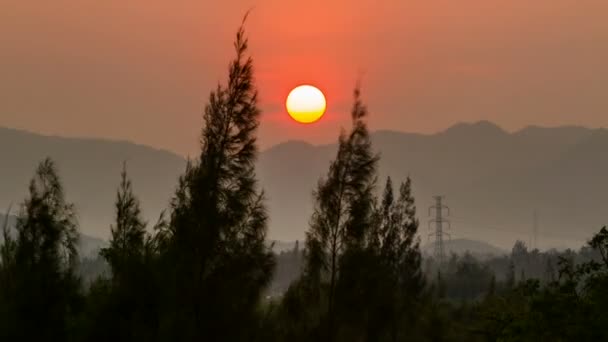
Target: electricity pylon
{"x": 439, "y": 233}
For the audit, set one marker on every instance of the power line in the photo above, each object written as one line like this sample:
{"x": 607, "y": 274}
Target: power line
{"x": 439, "y": 233}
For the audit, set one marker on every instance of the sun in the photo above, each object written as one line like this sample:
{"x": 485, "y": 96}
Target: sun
{"x": 306, "y": 104}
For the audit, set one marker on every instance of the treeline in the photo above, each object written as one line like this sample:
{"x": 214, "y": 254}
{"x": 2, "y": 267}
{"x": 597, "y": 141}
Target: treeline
{"x": 466, "y": 276}
{"x": 201, "y": 272}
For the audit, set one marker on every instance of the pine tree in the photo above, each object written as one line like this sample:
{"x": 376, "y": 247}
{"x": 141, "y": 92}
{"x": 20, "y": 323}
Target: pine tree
{"x": 410, "y": 259}
{"x": 126, "y": 248}
{"x": 383, "y": 263}
{"x": 7, "y": 254}
{"x": 7, "y": 275}
{"x": 388, "y": 230}
{"x": 215, "y": 243}
{"x": 341, "y": 222}
{"x": 127, "y": 308}
{"x": 599, "y": 242}
{"x": 398, "y": 265}
{"x": 43, "y": 292}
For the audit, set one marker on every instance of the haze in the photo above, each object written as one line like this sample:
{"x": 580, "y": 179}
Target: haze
{"x": 141, "y": 70}
{"x": 467, "y": 204}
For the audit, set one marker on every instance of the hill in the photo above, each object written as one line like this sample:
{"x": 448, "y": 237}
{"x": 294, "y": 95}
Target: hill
{"x": 90, "y": 170}
{"x": 492, "y": 180}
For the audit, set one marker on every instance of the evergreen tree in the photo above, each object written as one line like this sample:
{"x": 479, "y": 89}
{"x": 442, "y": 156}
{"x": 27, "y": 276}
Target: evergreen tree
{"x": 599, "y": 242}
{"x": 124, "y": 307}
{"x": 7, "y": 274}
{"x": 397, "y": 225}
{"x": 39, "y": 287}
{"x": 216, "y": 254}
{"x": 410, "y": 258}
{"x": 398, "y": 266}
{"x": 7, "y": 253}
{"x": 126, "y": 248}
{"x": 386, "y": 236}
{"x": 341, "y": 222}
{"x": 410, "y": 279}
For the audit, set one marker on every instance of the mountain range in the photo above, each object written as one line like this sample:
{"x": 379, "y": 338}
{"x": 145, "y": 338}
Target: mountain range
{"x": 494, "y": 181}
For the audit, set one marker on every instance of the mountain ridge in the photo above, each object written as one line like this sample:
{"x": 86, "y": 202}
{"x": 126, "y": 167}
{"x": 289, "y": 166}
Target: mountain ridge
{"x": 491, "y": 178}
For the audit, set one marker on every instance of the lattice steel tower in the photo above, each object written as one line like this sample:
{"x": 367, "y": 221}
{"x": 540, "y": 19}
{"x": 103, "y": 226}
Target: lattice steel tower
{"x": 439, "y": 233}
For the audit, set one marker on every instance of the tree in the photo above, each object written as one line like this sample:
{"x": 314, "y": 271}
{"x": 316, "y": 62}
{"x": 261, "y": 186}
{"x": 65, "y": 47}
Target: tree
{"x": 599, "y": 242}
{"x": 7, "y": 273}
{"x": 7, "y": 252}
{"x": 410, "y": 279}
{"x": 216, "y": 256}
{"x": 340, "y": 225}
{"x": 124, "y": 307}
{"x": 38, "y": 283}
{"x": 126, "y": 248}
{"x": 410, "y": 259}
{"x": 399, "y": 262}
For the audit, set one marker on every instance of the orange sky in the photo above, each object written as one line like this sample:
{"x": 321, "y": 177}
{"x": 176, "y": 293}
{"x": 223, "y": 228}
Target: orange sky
{"x": 141, "y": 69}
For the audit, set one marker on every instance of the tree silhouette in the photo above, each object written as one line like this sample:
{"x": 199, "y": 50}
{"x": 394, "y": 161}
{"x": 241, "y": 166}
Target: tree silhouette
{"x": 343, "y": 209}
{"x": 8, "y": 268}
{"x": 126, "y": 248}
{"x": 409, "y": 267}
{"x": 394, "y": 261}
{"x": 40, "y": 289}
{"x": 125, "y": 306}
{"x": 215, "y": 242}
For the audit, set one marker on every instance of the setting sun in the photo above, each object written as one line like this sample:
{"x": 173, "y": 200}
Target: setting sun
{"x": 306, "y": 104}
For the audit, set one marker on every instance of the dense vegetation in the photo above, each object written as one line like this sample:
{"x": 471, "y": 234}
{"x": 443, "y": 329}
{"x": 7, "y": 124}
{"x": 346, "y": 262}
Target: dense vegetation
{"x": 204, "y": 270}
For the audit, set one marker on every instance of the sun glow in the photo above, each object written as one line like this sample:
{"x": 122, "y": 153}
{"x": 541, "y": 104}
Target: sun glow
{"x": 306, "y": 104}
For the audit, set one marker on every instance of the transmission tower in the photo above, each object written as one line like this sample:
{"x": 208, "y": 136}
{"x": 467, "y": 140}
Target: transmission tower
{"x": 438, "y": 232}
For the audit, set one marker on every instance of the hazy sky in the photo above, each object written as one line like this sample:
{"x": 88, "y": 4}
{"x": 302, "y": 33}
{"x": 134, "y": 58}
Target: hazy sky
{"x": 142, "y": 69}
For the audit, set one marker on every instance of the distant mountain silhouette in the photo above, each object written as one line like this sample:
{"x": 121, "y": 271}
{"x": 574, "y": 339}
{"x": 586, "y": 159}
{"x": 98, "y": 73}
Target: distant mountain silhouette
{"x": 90, "y": 170}
{"x": 492, "y": 180}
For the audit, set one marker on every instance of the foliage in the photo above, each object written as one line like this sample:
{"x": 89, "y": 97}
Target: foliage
{"x": 340, "y": 225}
{"x": 213, "y": 250}
{"x": 126, "y": 250}
{"x": 39, "y": 291}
